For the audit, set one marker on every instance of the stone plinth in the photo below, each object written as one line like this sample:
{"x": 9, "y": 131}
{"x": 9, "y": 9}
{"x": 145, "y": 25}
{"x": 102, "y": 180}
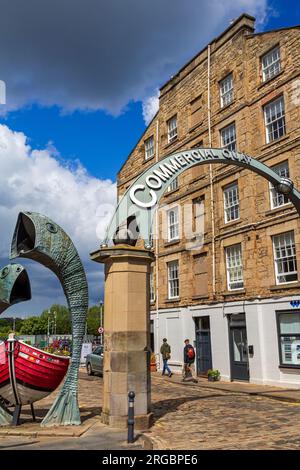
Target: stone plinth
{"x": 126, "y": 333}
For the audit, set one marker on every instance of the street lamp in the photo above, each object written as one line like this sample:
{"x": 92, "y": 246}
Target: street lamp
{"x": 48, "y": 329}
{"x": 54, "y": 323}
{"x": 101, "y": 321}
{"x": 285, "y": 186}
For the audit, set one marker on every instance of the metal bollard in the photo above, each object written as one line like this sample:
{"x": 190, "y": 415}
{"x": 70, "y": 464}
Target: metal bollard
{"x": 131, "y": 396}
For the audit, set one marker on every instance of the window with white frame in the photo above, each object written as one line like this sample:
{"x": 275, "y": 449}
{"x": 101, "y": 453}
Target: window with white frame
{"x": 173, "y": 224}
{"x": 174, "y": 185}
{"x": 173, "y": 279}
{"x": 274, "y": 119}
{"x": 152, "y": 290}
{"x": 231, "y": 202}
{"x": 270, "y": 64}
{"x": 279, "y": 199}
{"x": 172, "y": 129}
{"x": 149, "y": 148}
{"x": 228, "y": 137}
{"x": 226, "y": 90}
{"x": 289, "y": 337}
{"x": 234, "y": 266}
{"x": 285, "y": 258}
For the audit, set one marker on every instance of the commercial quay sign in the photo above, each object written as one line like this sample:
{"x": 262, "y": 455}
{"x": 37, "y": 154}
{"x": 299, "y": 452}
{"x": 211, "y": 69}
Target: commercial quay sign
{"x": 174, "y": 165}
{"x": 141, "y": 199}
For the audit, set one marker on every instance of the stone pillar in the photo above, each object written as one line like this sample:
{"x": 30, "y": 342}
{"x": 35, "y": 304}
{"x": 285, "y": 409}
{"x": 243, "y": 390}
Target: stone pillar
{"x": 126, "y": 334}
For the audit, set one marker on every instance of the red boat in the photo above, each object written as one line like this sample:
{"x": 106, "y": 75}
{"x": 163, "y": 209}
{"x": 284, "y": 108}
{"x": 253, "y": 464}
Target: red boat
{"x": 28, "y": 374}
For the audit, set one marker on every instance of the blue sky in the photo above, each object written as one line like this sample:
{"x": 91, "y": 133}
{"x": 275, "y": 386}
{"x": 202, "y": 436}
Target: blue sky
{"x": 80, "y": 77}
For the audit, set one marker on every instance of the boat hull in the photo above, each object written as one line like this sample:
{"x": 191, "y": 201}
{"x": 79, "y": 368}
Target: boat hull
{"x": 28, "y": 374}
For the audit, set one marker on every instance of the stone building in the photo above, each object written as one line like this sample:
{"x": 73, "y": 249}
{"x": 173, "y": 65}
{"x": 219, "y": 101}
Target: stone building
{"x": 228, "y": 244}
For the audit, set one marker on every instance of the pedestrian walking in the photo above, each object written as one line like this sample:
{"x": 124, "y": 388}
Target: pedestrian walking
{"x": 188, "y": 371}
{"x": 165, "y": 351}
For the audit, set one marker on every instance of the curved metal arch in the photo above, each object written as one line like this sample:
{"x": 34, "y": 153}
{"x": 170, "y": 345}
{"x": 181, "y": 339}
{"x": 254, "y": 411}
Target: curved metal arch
{"x": 141, "y": 199}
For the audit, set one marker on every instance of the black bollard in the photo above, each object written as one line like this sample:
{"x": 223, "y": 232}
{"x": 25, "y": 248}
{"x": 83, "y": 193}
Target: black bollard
{"x": 131, "y": 396}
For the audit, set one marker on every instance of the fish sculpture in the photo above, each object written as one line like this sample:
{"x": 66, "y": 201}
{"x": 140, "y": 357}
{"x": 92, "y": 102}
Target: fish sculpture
{"x": 14, "y": 288}
{"x": 40, "y": 239}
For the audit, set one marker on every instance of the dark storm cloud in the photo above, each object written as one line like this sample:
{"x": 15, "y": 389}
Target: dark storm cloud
{"x": 100, "y": 54}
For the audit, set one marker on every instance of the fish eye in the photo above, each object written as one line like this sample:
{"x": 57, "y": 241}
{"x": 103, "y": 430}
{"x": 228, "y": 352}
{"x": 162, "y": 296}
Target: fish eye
{"x": 51, "y": 228}
{"x": 19, "y": 269}
{"x": 4, "y": 272}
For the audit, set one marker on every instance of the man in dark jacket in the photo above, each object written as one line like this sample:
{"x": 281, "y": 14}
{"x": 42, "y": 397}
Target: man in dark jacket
{"x": 165, "y": 351}
{"x": 188, "y": 372}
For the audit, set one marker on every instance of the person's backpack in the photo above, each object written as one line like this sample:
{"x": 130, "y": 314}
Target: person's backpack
{"x": 191, "y": 353}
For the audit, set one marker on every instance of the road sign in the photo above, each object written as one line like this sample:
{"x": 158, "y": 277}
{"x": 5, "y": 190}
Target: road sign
{"x": 101, "y": 330}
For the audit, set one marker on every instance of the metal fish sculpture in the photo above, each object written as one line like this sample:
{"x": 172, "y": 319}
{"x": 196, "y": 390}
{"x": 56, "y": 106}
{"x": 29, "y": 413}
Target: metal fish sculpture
{"x": 14, "y": 288}
{"x": 38, "y": 238}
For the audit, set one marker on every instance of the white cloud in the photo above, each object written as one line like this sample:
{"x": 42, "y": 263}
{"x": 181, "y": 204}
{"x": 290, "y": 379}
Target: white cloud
{"x": 150, "y": 107}
{"x": 35, "y": 180}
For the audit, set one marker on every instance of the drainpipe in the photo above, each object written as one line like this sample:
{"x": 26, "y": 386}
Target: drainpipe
{"x": 156, "y": 251}
{"x": 212, "y": 204}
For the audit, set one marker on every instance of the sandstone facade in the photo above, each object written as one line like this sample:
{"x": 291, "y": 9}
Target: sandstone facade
{"x": 193, "y": 95}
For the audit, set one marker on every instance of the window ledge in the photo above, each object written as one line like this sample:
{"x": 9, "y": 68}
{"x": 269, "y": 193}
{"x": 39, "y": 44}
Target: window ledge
{"x": 234, "y": 292}
{"x": 199, "y": 297}
{"x": 274, "y": 142}
{"x": 148, "y": 159}
{"x": 230, "y": 224}
{"x": 223, "y": 108}
{"x": 192, "y": 129}
{"x": 266, "y": 82}
{"x": 168, "y": 193}
{"x": 292, "y": 285}
{"x": 289, "y": 205}
{"x": 171, "y": 301}
{"x": 201, "y": 251}
{"x": 290, "y": 366}
{"x": 169, "y": 144}
{"x": 171, "y": 243}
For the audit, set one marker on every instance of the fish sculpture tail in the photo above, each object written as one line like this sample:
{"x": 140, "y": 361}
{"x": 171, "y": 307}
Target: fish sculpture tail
{"x": 38, "y": 238}
{"x": 65, "y": 409}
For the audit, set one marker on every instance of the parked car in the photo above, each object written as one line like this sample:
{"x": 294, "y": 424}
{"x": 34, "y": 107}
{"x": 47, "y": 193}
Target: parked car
{"x": 94, "y": 361}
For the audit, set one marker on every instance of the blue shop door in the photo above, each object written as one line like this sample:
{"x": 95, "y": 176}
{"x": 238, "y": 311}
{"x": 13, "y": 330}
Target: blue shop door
{"x": 203, "y": 347}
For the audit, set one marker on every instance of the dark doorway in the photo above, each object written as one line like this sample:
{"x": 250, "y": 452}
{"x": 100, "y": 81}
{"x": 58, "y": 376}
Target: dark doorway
{"x": 238, "y": 347}
{"x": 203, "y": 345}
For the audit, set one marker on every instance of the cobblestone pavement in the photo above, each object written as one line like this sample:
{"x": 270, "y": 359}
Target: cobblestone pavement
{"x": 186, "y": 416}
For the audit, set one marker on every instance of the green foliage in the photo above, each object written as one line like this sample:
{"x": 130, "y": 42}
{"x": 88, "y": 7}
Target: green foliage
{"x": 213, "y": 374}
{"x": 93, "y": 320}
{"x": 59, "y": 321}
{"x": 34, "y": 326}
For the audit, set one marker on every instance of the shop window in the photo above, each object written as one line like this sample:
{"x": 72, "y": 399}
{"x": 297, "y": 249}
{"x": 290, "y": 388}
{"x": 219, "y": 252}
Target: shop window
{"x": 289, "y": 338}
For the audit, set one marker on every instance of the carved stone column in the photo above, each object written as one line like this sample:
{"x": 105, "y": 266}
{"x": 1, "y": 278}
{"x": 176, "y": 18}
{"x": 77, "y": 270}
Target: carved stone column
{"x": 126, "y": 333}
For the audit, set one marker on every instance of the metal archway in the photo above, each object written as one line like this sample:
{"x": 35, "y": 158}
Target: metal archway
{"x": 141, "y": 199}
